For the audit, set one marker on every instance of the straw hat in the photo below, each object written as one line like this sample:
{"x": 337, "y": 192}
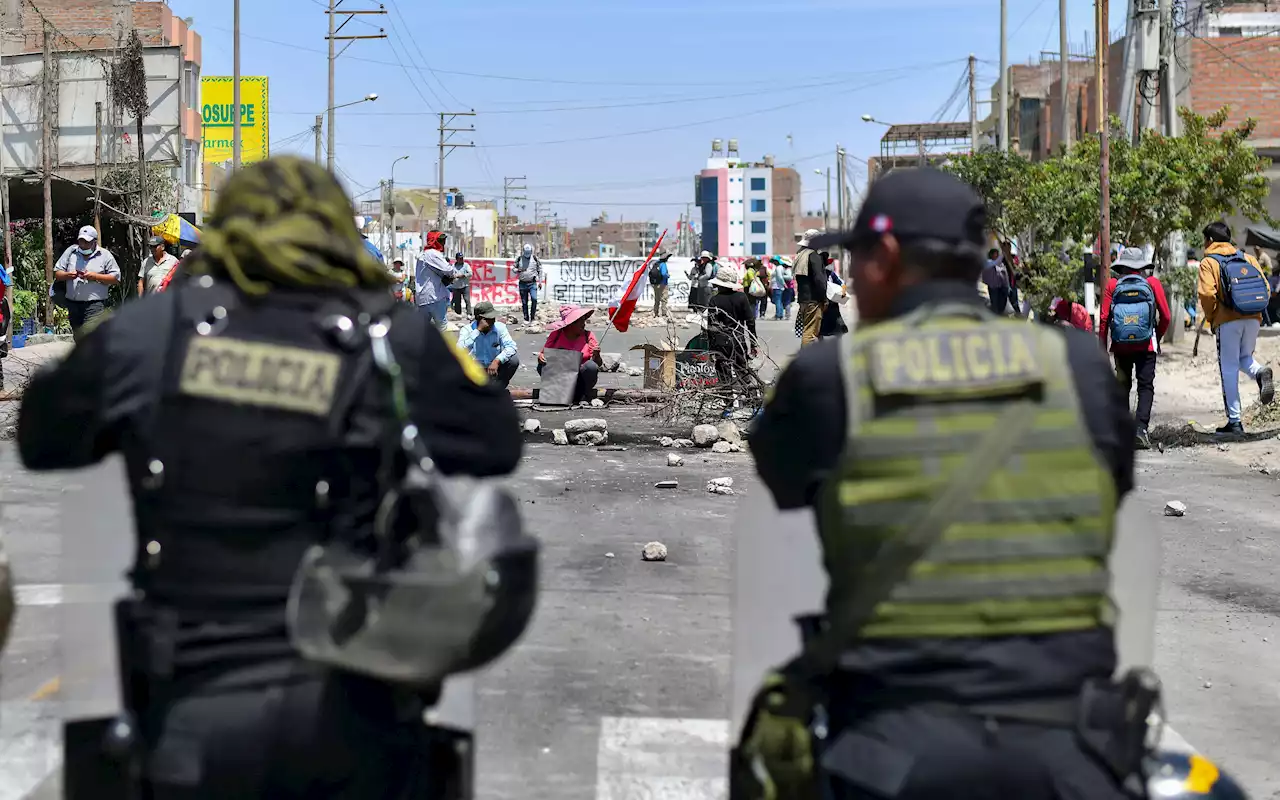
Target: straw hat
{"x": 729, "y": 277}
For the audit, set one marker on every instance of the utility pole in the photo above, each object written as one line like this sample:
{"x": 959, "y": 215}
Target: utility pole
{"x": 508, "y": 186}
{"x": 840, "y": 185}
{"x": 333, "y": 36}
{"x": 97, "y": 168}
{"x": 1104, "y": 160}
{"x": 235, "y": 89}
{"x": 1004, "y": 76}
{"x": 1064, "y": 76}
{"x": 319, "y": 127}
{"x": 973, "y": 109}
{"x": 444, "y": 142}
{"x": 46, "y": 148}
{"x": 1169, "y": 73}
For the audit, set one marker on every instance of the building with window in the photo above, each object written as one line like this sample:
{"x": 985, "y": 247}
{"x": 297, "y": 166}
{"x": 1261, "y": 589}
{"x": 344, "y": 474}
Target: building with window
{"x": 748, "y": 208}
{"x": 98, "y": 28}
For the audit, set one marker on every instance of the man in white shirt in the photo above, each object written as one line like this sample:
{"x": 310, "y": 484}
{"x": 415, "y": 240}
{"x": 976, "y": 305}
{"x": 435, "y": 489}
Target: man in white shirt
{"x": 88, "y": 272}
{"x": 155, "y": 267}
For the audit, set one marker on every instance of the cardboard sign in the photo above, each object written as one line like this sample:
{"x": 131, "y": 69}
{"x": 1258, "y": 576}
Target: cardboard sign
{"x": 559, "y": 377}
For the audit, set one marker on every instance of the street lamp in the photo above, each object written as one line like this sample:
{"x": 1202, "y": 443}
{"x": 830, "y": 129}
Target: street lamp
{"x": 924, "y": 160}
{"x": 368, "y": 98}
{"x": 391, "y": 196}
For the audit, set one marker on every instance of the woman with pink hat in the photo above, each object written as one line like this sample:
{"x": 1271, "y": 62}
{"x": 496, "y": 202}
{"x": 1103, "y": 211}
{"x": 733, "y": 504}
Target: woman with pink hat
{"x": 571, "y": 333}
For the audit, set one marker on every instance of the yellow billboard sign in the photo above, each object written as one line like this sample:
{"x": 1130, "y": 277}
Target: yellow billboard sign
{"x": 216, "y": 110}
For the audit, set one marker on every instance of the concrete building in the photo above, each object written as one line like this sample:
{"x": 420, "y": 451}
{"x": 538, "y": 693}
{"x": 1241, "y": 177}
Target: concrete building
{"x": 102, "y": 25}
{"x": 748, "y": 208}
{"x": 634, "y": 238}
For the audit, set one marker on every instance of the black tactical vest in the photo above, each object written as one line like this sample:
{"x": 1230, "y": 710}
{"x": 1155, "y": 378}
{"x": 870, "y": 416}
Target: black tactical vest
{"x": 238, "y": 471}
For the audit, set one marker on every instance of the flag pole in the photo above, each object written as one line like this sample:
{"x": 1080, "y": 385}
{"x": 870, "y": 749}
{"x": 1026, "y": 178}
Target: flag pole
{"x": 631, "y": 285}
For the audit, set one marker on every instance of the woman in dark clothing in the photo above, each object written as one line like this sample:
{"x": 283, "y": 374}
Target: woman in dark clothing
{"x": 832, "y": 321}
{"x": 731, "y": 325}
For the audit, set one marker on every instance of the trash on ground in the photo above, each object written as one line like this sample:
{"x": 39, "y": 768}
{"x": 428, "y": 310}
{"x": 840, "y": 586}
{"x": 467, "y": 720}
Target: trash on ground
{"x": 1175, "y": 508}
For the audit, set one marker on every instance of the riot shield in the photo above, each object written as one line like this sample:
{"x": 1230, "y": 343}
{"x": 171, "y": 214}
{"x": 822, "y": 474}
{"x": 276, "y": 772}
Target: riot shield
{"x": 778, "y": 577}
{"x": 94, "y": 531}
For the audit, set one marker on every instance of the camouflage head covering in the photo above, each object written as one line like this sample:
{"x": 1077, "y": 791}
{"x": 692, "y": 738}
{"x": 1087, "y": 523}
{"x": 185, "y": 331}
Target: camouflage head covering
{"x": 286, "y": 222}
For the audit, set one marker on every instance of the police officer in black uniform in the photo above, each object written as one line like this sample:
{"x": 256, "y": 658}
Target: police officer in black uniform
{"x": 250, "y": 433}
{"x": 920, "y": 716}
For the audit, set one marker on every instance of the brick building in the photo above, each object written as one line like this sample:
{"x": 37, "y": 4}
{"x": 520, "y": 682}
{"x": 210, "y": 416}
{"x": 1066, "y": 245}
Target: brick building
{"x": 103, "y": 25}
{"x": 632, "y": 238}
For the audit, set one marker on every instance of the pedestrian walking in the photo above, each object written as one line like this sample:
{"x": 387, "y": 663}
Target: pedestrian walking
{"x": 528, "y": 271}
{"x": 700, "y": 281}
{"x": 964, "y": 471}
{"x": 659, "y": 281}
{"x": 86, "y": 273}
{"x": 570, "y": 333}
{"x": 1233, "y": 292}
{"x": 155, "y": 267}
{"x": 779, "y": 280}
{"x": 995, "y": 275}
{"x": 255, "y": 415}
{"x": 461, "y": 286}
{"x": 832, "y": 320}
{"x": 1134, "y": 318}
{"x": 753, "y": 284}
{"x": 811, "y": 289}
{"x": 432, "y": 277}
{"x": 490, "y": 344}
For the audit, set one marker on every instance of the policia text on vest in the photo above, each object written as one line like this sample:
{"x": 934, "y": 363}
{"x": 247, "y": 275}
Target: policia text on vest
{"x": 272, "y": 376}
{"x": 954, "y": 360}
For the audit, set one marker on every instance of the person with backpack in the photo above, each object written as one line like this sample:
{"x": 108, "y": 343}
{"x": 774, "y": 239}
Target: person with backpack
{"x": 659, "y": 277}
{"x": 1233, "y": 292}
{"x": 1135, "y": 316}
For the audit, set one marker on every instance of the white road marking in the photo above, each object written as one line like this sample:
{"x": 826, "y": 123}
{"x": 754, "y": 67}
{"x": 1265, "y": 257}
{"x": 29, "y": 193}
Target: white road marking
{"x": 56, "y": 594}
{"x": 30, "y": 746}
{"x": 649, "y": 758}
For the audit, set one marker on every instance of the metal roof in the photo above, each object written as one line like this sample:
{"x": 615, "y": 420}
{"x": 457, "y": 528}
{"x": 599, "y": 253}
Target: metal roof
{"x": 926, "y": 131}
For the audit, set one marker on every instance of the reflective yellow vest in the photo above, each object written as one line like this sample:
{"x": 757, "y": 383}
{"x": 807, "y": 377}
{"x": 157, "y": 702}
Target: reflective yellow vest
{"x": 1029, "y": 553}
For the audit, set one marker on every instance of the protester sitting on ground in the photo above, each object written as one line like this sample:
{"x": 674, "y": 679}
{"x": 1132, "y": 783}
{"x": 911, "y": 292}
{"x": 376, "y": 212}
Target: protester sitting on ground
{"x": 571, "y": 333}
{"x": 490, "y": 344}
{"x": 1070, "y": 313}
{"x": 731, "y": 325}
{"x": 1236, "y": 318}
{"x": 1135, "y": 316}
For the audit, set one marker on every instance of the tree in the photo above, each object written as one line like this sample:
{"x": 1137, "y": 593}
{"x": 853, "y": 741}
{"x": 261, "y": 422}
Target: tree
{"x": 1159, "y": 186}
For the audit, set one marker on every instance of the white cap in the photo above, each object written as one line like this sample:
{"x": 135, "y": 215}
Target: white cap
{"x": 88, "y": 234}
{"x": 528, "y": 248}
{"x": 706, "y": 254}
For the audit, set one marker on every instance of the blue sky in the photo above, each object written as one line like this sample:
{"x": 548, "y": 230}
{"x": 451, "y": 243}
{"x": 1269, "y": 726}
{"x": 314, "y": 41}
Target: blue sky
{"x": 612, "y": 104}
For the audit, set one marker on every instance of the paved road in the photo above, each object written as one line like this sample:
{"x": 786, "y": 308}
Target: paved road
{"x": 621, "y": 688}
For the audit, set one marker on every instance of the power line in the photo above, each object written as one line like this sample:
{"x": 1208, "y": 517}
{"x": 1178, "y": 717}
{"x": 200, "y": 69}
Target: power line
{"x": 676, "y": 101}
{"x": 524, "y": 79}
{"x": 645, "y": 132}
{"x": 422, "y": 56}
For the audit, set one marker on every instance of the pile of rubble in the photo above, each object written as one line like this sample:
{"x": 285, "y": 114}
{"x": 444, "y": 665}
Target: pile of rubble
{"x": 722, "y": 438}
{"x": 587, "y": 432}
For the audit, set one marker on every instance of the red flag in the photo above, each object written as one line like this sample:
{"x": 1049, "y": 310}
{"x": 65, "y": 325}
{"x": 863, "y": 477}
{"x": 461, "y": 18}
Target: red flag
{"x": 620, "y": 308}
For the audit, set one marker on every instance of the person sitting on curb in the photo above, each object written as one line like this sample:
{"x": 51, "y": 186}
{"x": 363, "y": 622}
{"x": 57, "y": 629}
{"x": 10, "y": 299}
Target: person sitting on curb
{"x": 1135, "y": 315}
{"x": 1234, "y": 319}
{"x": 571, "y": 333}
{"x": 490, "y": 344}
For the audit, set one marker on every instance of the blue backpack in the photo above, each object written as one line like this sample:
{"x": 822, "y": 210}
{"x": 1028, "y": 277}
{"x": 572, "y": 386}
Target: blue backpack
{"x": 1244, "y": 285}
{"x": 1133, "y": 310}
